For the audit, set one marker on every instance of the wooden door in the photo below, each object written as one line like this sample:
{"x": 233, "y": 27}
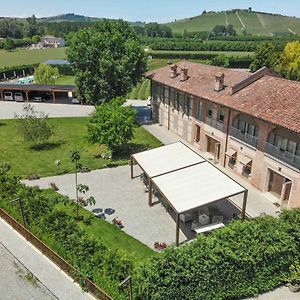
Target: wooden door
{"x": 276, "y": 183}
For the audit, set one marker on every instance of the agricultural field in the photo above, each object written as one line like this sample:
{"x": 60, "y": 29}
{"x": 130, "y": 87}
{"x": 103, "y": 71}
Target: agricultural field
{"x": 20, "y": 57}
{"x": 252, "y": 22}
{"x": 70, "y": 134}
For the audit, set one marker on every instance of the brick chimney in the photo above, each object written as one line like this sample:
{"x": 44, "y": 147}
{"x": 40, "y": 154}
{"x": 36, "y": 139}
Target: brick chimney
{"x": 184, "y": 74}
{"x": 219, "y": 81}
{"x": 173, "y": 71}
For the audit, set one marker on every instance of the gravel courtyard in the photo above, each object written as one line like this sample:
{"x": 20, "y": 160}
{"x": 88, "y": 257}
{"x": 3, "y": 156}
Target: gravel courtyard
{"x": 113, "y": 188}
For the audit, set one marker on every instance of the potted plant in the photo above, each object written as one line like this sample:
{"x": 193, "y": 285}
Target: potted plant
{"x": 294, "y": 277}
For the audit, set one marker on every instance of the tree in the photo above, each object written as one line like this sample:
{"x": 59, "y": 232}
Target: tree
{"x": 45, "y": 74}
{"x": 108, "y": 60}
{"x": 34, "y": 126}
{"x": 289, "y": 62}
{"x": 264, "y": 56}
{"x": 112, "y": 124}
{"x": 9, "y": 44}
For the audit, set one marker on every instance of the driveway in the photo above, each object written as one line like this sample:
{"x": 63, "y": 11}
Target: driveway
{"x": 9, "y": 109}
{"x": 16, "y": 275}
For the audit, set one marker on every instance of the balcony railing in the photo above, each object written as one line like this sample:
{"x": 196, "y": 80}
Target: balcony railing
{"x": 243, "y": 136}
{"x": 285, "y": 156}
{"x": 214, "y": 123}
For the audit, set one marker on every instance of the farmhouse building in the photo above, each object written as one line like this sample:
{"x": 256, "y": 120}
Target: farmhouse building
{"x": 52, "y": 42}
{"x": 249, "y": 122}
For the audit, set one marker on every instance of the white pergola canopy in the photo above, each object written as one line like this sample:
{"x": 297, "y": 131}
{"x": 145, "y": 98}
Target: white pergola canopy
{"x": 195, "y": 186}
{"x": 166, "y": 159}
{"x": 185, "y": 179}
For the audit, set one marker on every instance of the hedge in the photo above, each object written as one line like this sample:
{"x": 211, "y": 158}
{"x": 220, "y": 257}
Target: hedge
{"x": 104, "y": 266}
{"x": 242, "y": 259}
{"x": 242, "y": 62}
{"x": 9, "y": 71}
{"x": 181, "y": 44}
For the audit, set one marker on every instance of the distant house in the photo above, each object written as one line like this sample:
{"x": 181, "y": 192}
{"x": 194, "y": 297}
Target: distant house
{"x": 49, "y": 42}
{"x": 52, "y": 42}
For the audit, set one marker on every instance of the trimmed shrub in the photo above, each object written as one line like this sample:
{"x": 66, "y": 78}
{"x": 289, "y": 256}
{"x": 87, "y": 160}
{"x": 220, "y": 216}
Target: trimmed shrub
{"x": 240, "y": 260}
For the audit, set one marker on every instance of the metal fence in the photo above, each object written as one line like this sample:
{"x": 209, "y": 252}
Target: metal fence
{"x": 54, "y": 257}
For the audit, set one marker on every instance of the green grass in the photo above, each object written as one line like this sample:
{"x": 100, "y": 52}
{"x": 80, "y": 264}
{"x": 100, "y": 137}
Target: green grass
{"x": 112, "y": 236}
{"x": 70, "y": 134}
{"x": 29, "y": 57}
{"x": 140, "y": 91}
{"x": 66, "y": 80}
{"x": 270, "y": 24}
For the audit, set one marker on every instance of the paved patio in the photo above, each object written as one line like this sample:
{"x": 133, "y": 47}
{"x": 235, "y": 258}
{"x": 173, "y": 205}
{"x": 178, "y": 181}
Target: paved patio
{"x": 113, "y": 188}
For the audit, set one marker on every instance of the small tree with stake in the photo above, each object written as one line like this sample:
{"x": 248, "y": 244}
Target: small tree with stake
{"x": 75, "y": 158}
{"x": 80, "y": 188}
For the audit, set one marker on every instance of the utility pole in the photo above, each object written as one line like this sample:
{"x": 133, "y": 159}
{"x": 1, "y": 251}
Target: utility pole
{"x": 129, "y": 281}
{"x": 21, "y": 209}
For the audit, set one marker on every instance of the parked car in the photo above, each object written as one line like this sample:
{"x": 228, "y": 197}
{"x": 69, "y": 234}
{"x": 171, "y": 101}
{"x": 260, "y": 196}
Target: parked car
{"x": 8, "y": 96}
{"x": 18, "y": 97}
{"x": 38, "y": 99}
{"x": 75, "y": 101}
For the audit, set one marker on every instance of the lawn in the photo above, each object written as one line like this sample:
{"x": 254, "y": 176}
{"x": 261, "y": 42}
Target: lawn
{"x": 70, "y": 134}
{"x": 112, "y": 236}
{"x": 28, "y": 57}
{"x": 66, "y": 80}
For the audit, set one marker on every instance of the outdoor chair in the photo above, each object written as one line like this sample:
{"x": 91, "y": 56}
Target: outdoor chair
{"x": 217, "y": 219}
{"x": 186, "y": 217}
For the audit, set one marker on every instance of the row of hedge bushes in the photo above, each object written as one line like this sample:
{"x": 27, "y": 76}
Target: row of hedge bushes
{"x": 60, "y": 231}
{"x": 29, "y": 70}
{"x": 19, "y": 71}
{"x": 210, "y": 45}
{"x": 242, "y": 62}
{"x": 242, "y": 259}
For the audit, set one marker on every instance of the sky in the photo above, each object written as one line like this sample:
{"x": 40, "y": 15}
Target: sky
{"x": 141, "y": 10}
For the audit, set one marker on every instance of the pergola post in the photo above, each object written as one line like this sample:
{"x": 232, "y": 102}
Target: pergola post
{"x": 177, "y": 229}
{"x": 131, "y": 167}
{"x": 53, "y": 96}
{"x": 27, "y": 96}
{"x": 244, "y": 205}
{"x": 149, "y": 192}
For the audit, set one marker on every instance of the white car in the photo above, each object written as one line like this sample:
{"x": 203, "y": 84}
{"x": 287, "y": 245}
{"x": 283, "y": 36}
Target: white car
{"x": 75, "y": 101}
{"x": 19, "y": 97}
{"x": 8, "y": 96}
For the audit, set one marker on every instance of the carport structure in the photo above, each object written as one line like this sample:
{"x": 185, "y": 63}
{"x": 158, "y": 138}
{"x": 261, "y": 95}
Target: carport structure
{"x": 185, "y": 179}
{"x": 46, "y": 88}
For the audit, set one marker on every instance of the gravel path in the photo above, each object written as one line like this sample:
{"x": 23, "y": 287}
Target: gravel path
{"x": 17, "y": 283}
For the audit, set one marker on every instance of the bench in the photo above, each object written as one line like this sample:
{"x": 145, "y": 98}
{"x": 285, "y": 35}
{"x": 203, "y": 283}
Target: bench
{"x": 207, "y": 228}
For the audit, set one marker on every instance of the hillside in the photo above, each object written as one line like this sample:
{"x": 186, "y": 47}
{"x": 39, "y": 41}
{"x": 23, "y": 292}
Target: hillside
{"x": 68, "y": 17}
{"x": 256, "y": 23}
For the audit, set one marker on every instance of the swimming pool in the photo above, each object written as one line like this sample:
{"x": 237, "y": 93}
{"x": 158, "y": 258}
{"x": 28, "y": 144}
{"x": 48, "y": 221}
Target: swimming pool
{"x": 25, "y": 80}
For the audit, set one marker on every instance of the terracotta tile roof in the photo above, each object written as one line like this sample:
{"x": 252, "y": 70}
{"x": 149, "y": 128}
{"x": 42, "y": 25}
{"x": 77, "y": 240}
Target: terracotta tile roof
{"x": 269, "y": 98}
